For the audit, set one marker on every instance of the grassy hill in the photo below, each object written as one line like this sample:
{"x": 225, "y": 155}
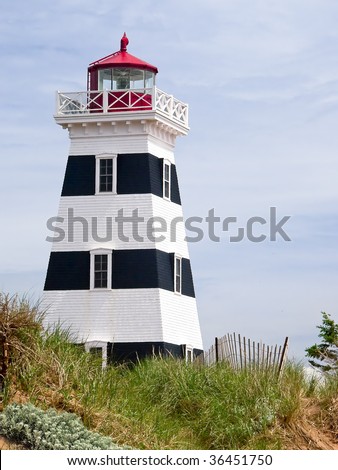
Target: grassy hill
{"x": 164, "y": 403}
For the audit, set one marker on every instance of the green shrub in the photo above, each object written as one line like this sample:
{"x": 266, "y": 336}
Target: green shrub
{"x": 49, "y": 430}
{"x": 324, "y": 356}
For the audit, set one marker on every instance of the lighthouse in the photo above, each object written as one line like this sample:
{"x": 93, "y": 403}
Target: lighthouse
{"x": 119, "y": 275}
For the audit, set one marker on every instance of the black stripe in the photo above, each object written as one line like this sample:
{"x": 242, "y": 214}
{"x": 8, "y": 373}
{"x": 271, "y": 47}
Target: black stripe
{"x": 175, "y": 192}
{"x": 80, "y": 176}
{"x": 139, "y": 269}
{"x": 131, "y": 269}
{"x": 187, "y": 281}
{"x": 137, "y": 173}
{"x": 68, "y": 271}
{"x": 119, "y": 352}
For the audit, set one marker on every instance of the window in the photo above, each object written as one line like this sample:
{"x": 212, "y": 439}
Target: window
{"x": 106, "y": 174}
{"x": 189, "y": 355}
{"x": 125, "y": 78}
{"x": 99, "y": 349}
{"x": 96, "y": 352}
{"x": 166, "y": 180}
{"x": 101, "y": 268}
{"x": 105, "y": 79}
{"x": 121, "y": 79}
{"x": 100, "y": 271}
{"x": 178, "y": 275}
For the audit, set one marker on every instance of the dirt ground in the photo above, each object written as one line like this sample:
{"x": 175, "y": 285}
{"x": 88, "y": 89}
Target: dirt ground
{"x": 312, "y": 431}
{"x": 6, "y": 444}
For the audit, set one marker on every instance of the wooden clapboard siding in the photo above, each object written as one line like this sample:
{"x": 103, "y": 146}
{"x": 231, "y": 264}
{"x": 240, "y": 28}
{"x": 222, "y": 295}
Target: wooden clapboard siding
{"x": 117, "y": 141}
{"x": 138, "y": 173}
{"x": 130, "y": 315}
{"x": 104, "y": 206}
{"x": 180, "y": 319}
{"x": 131, "y": 269}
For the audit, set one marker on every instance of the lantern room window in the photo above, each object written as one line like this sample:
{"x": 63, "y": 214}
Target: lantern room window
{"x": 125, "y": 79}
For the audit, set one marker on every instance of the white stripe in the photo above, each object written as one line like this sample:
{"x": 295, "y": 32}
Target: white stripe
{"x": 125, "y": 315}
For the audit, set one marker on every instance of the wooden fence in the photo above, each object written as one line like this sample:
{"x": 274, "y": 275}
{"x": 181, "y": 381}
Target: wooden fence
{"x": 242, "y": 353}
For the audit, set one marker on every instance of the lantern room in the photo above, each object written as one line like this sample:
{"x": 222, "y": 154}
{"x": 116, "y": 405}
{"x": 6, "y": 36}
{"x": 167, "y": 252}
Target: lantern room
{"x": 121, "y": 71}
{"x": 120, "y": 83}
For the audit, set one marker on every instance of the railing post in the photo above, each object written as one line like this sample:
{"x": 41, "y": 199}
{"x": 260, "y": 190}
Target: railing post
{"x": 105, "y": 101}
{"x": 153, "y": 98}
{"x": 57, "y": 102}
{"x": 171, "y": 106}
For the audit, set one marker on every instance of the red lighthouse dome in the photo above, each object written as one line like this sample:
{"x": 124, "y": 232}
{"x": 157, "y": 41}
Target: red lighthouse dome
{"x": 121, "y": 71}
{"x": 122, "y": 83}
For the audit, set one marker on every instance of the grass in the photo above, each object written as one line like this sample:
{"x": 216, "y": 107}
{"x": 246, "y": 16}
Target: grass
{"x": 161, "y": 403}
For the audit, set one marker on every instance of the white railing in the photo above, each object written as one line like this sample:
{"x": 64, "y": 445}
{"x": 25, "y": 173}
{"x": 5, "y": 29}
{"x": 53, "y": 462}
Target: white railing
{"x": 106, "y": 101}
{"x": 170, "y": 106}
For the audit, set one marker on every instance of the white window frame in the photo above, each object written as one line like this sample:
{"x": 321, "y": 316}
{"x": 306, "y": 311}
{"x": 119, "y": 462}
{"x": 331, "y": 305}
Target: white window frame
{"x": 98, "y": 344}
{"x": 105, "y": 156}
{"x": 176, "y": 258}
{"x": 166, "y": 163}
{"x": 93, "y": 253}
{"x": 189, "y": 349}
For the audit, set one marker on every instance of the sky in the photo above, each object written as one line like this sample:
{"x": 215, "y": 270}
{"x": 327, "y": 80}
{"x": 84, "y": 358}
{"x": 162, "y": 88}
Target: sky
{"x": 261, "y": 81}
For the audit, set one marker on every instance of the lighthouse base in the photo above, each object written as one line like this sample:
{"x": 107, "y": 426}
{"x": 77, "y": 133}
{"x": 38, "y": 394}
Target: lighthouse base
{"x": 111, "y": 353}
{"x": 133, "y": 352}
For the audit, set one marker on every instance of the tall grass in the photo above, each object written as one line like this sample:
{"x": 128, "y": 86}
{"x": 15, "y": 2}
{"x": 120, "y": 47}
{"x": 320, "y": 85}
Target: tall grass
{"x": 160, "y": 403}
